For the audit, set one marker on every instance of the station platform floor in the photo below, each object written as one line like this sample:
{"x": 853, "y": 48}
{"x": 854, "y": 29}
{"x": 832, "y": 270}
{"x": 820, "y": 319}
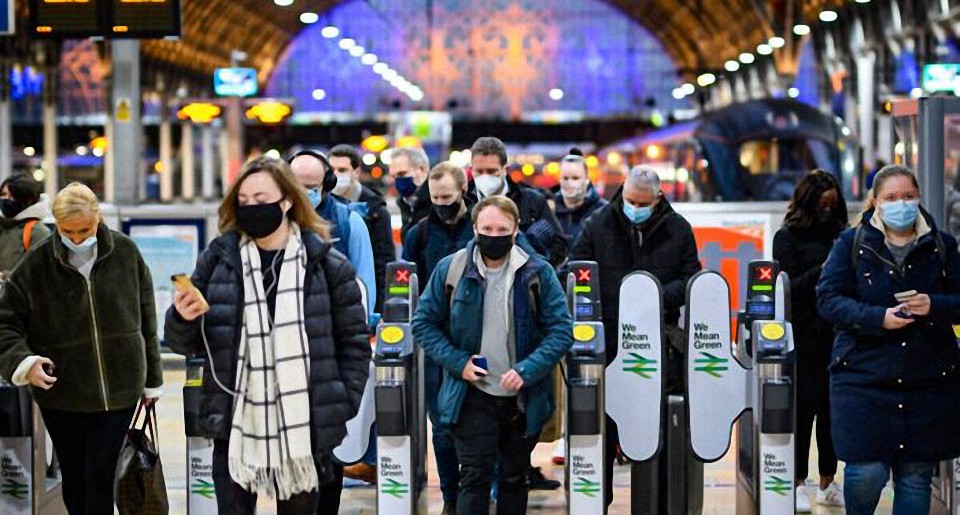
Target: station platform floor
{"x": 719, "y": 477}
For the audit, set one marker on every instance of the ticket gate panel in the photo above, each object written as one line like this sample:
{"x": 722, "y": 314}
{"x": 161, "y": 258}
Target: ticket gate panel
{"x": 355, "y": 444}
{"x": 635, "y": 379}
{"x": 586, "y": 473}
{"x": 716, "y": 382}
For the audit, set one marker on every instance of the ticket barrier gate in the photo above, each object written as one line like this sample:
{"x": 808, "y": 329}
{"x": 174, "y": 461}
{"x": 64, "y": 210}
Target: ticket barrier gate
{"x": 29, "y": 484}
{"x": 398, "y": 393}
{"x": 585, "y": 393}
{"x": 201, "y": 496}
{"x": 749, "y": 381}
{"x": 652, "y": 427}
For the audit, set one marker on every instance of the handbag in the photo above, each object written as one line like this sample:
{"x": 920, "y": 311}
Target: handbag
{"x": 139, "y": 488}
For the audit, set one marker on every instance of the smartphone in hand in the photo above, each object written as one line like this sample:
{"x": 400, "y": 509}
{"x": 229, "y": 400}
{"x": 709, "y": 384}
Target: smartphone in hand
{"x": 481, "y": 362}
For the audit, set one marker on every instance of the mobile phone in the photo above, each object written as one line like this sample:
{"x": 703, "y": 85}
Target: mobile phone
{"x": 904, "y": 295}
{"x": 49, "y": 369}
{"x": 183, "y": 283}
{"x": 481, "y": 362}
{"x": 900, "y": 313}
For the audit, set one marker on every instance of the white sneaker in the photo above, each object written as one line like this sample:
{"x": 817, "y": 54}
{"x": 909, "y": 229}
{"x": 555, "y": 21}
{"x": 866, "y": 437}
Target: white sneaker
{"x": 803, "y": 500}
{"x": 832, "y": 496}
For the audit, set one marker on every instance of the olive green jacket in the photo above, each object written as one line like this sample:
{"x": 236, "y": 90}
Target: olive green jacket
{"x": 100, "y": 334}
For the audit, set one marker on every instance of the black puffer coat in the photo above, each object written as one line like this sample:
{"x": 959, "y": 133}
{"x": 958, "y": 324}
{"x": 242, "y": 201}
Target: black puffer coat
{"x": 801, "y": 253}
{"x": 335, "y": 324}
{"x": 669, "y": 252}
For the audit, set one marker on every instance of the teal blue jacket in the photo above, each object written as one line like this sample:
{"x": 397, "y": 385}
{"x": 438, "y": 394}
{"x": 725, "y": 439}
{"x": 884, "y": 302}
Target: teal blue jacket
{"x": 450, "y": 332}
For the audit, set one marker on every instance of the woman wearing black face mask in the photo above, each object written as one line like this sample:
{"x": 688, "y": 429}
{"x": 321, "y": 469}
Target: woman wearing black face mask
{"x": 274, "y": 287}
{"x": 814, "y": 219}
{"x": 21, "y": 226}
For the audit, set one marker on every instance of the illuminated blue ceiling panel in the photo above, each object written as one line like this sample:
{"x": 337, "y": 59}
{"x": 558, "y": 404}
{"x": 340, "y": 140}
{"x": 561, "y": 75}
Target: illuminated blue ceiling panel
{"x": 491, "y": 58}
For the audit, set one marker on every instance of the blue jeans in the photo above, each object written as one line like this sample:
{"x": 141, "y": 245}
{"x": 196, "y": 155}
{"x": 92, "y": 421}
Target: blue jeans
{"x": 863, "y": 482}
{"x": 448, "y": 467}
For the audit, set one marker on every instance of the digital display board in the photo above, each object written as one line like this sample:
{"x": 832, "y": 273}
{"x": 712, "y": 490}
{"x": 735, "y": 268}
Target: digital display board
{"x": 106, "y": 18}
{"x": 941, "y": 77}
{"x": 235, "y": 82}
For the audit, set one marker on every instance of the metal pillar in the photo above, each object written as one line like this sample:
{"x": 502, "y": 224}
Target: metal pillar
{"x": 207, "y": 162}
{"x": 188, "y": 171}
{"x": 866, "y": 96}
{"x": 51, "y": 173}
{"x": 930, "y": 169}
{"x": 6, "y": 132}
{"x": 166, "y": 151}
{"x": 234, "y": 136}
{"x": 127, "y": 125}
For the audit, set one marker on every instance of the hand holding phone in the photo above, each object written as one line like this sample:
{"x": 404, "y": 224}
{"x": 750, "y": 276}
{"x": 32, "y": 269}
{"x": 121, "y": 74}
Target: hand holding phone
{"x": 188, "y": 299}
{"x": 474, "y": 371}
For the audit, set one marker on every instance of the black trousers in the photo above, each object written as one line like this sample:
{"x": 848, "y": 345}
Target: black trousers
{"x": 233, "y": 499}
{"x": 807, "y": 410}
{"x": 87, "y": 446}
{"x": 489, "y": 429}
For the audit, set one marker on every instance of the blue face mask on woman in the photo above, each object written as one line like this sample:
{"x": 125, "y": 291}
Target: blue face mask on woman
{"x": 84, "y": 245}
{"x": 637, "y": 215}
{"x": 900, "y": 215}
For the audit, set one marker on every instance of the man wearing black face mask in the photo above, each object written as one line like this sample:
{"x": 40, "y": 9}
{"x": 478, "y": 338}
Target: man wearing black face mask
{"x": 444, "y": 231}
{"x": 21, "y": 226}
{"x": 495, "y": 318}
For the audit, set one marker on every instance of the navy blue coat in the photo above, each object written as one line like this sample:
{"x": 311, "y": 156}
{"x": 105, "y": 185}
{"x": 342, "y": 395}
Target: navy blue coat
{"x": 894, "y": 394}
{"x": 335, "y": 325}
{"x": 431, "y": 240}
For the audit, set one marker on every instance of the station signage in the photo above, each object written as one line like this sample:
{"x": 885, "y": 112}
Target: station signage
{"x": 116, "y": 19}
{"x": 941, "y": 77}
{"x": 235, "y": 82}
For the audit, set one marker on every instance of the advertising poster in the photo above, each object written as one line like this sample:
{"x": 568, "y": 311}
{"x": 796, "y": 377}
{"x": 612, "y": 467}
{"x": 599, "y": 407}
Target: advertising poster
{"x": 167, "y": 249}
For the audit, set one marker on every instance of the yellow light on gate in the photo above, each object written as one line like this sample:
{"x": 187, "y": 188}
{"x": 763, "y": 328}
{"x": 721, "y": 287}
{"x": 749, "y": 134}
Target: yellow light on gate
{"x": 100, "y": 142}
{"x": 409, "y": 142}
{"x": 553, "y": 168}
{"x": 591, "y": 162}
{"x": 269, "y": 112}
{"x": 653, "y": 151}
{"x": 375, "y": 144}
{"x": 199, "y": 112}
{"x": 614, "y": 159}
{"x": 527, "y": 169}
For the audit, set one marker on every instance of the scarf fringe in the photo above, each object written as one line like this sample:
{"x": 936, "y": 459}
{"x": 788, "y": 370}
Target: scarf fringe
{"x": 295, "y": 476}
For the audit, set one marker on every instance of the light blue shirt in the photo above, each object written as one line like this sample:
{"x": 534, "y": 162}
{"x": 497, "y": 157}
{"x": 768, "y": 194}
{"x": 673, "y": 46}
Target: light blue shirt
{"x": 360, "y": 252}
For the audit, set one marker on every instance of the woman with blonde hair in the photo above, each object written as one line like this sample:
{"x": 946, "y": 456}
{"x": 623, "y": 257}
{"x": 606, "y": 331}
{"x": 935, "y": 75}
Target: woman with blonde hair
{"x": 278, "y": 314}
{"x": 78, "y": 324}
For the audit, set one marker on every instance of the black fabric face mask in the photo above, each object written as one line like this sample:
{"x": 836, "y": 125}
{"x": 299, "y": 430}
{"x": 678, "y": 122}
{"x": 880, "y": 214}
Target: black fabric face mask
{"x": 448, "y": 212}
{"x": 494, "y": 247}
{"x": 825, "y": 218}
{"x": 10, "y": 208}
{"x": 260, "y": 220}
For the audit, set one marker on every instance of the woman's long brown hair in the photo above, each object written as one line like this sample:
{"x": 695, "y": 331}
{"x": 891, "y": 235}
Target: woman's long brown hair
{"x": 301, "y": 212}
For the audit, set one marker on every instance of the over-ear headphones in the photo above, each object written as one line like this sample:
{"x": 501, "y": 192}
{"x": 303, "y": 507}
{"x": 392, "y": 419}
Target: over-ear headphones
{"x": 329, "y": 178}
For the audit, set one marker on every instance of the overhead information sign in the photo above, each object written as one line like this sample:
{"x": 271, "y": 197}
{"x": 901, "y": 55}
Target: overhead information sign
{"x": 235, "y": 82}
{"x": 144, "y": 19}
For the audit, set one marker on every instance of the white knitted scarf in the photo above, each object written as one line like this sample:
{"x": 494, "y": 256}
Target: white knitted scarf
{"x": 270, "y": 451}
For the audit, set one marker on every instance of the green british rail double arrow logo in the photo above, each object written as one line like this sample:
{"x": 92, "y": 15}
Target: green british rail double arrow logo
{"x": 777, "y": 485}
{"x": 710, "y": 364}
{"x": 394, "y": 488}
{"x": 15, "y": 489}
{"x": 586, "y": 487}
{"x": 640, "y": 365}
{"x": 203, "y": 489}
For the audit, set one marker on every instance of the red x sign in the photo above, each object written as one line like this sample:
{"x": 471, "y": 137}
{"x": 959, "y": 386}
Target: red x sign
{"x": 402, "y": 276}
{"x": 584, "y": 275}
{"x": 766, "y": 273}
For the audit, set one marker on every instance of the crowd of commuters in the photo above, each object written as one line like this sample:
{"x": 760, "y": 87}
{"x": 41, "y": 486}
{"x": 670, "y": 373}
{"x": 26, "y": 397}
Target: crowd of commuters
{"x": 298, "y": 272}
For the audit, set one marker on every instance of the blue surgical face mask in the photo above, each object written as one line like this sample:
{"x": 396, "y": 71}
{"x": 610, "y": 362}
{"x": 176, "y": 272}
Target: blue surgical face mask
{"x": 900, "y": 215}
{"x": 405, "y": 186}
{"x": 637, "y": 215}
{"x": 85, "y": 245}
{"x": 314, "y": 196}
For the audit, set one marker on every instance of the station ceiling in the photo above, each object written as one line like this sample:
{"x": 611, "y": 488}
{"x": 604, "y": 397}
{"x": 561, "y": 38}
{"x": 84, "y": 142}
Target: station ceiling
{"x": 699, "y": 34}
